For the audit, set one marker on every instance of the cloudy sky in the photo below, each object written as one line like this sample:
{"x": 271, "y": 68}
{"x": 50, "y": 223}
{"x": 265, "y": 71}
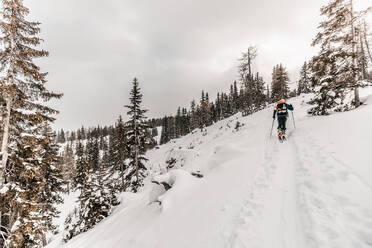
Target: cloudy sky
{"x": 175, "y": 47}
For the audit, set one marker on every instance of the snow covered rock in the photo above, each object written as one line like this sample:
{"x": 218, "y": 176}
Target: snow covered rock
{"x": 177, "y": 183}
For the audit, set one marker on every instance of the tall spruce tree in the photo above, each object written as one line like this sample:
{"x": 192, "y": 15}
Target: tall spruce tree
{"x": 136, "y": 136}
{"x": 73, "y": 226}
{"x": 164, "y": 138}
{"x": 246, "y": 79}
{"x": 205, "y": 114}
{"x": 279, "y": 85}
{"x": 304, "y": 84}
{"x": 53, "y": 181}
{"x": 193, "y": 115}
{"x": 118, "y": 153}
{"x": 335, "y": 69}
{"x": 23, "y": 91}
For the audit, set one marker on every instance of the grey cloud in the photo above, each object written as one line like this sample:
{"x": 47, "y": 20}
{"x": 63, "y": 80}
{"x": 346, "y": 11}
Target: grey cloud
{"x": 175, "y": 48}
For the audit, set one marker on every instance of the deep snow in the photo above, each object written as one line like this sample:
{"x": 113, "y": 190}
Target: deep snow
{"x": 312, "y": 191}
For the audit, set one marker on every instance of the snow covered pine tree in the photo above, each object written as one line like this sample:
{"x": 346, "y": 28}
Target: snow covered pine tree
{"x": 304, "y": 83}
{"x": 334, "y": 70}
{"x": 136, "y": 136}
{"x": 279, "y": 84}
{"x": 28, "y": 154}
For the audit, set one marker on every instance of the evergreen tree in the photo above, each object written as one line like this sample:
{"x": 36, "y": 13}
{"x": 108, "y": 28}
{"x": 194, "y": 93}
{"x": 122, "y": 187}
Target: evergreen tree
{"x": 259, "y": 98}
{"x": 136, "y": 169}
{"x": 68, "y": 166}
{"x": 95, "y": 199}
{"x": 73, "y": 225}
{"x": 178, "y": 123}
{"x": 193, "y": 115}
{"x": 268, "y": 96}
{"x": 82, "y": 167}
{"x": 279, "y": 85}
{"x": 23, "y": 92}
{"x": 54, "y": 182}
{"x": 92, "y": 149}
{"x": 235, "y": 97}
{"x": 118, "y": 153}
{"x": 164, "y": 131}
{"x": 205, "y": 114}
{"x": 335, "y": 69}
{"x": 304, "y": 84}
{"x": 61, "y": 137}
{"x": 185, "y": 122}
{"x": 246, "y": 79}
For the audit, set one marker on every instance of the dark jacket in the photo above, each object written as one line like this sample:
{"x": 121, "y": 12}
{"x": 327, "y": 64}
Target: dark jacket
{"x": 282, "y": 109}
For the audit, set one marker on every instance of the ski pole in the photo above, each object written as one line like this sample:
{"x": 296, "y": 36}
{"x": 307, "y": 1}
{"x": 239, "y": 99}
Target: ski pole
{"x": 272, "y": 125}
{"x": 294, "y": 123}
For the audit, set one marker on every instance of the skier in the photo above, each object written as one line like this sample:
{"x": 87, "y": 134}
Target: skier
{"x": 282, "y": 109}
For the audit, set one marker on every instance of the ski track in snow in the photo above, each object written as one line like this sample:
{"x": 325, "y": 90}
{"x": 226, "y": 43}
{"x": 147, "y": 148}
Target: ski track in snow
{"x": 274, "y": 185}
{"x": 321, "y": 201}
{"x": 334, "y": 198}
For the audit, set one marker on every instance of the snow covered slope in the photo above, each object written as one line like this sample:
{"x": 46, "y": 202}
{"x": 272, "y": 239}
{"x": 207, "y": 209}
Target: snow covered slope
{"x": 315, "y": 190}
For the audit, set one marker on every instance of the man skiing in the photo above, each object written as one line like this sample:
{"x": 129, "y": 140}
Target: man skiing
{"x": 282, "y": 110}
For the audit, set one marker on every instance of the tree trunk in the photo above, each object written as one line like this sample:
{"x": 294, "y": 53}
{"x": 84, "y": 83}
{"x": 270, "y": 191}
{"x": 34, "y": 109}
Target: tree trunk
{"x": 4, "y": 150}
{"x": 5, "y": 141}
{"x": 356, "y": 90}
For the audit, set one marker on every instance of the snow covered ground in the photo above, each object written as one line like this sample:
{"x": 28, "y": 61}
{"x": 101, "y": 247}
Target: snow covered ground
{"x": 315, "y": 190}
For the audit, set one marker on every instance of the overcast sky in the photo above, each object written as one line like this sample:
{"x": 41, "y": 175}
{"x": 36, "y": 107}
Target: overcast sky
{"x": 176, "y": 48}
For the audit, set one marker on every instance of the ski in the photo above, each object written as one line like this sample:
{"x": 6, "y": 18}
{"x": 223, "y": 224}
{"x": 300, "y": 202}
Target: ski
{"x": 281, "y": 136}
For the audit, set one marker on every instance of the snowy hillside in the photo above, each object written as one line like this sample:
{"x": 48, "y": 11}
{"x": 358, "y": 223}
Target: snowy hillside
{"x": 314, "y": 190}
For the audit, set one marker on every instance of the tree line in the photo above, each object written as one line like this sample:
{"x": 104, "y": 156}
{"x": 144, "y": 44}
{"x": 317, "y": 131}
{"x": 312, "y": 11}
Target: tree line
{"x": 246, "y": 95}
{"x": 101, "y": 162}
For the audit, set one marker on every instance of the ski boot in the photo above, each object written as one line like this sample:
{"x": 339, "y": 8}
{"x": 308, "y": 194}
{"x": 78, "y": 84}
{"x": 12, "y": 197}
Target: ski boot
{"x": 281, "y": 135}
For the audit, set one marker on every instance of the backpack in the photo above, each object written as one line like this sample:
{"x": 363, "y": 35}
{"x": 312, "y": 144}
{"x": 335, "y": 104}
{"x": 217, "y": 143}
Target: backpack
{"x": 282, "y": 109}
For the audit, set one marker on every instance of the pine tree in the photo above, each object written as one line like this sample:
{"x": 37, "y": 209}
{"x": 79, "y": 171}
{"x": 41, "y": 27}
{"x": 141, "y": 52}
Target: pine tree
{"x": 54, "y": 181}
{"x": 95, "y": 199}
{"x": 268, "y": 96}
{"x": 92, "y": 148}
{"x": 94, "y": 203}
{"x": 23, "y": 91}
{"x": 164, "y": 131}
{"x": 81, "y": 167}
{"x": 335, "y": 70}
{"x": 118, "y": 153}
{"x": 218, "y": 108}
{"x": 61, "y": 137}
{"x": 73, "y": 225}
{"x": 205, "y": 114}
{"x": 304, "y": 83}
{"x": 279, "y": 85}
{"x": 235, "y": 97}
{"x": 34, "y": 185}
{"x": 178, "y": 123}
{"x": 136, "y": 169}
{"x": 68, "y": 166}
{"x": 247, "y": 80}
{"x": 259, "y": 98}
{"x": 193, "y": 115}
{"x": 185, "y": 122}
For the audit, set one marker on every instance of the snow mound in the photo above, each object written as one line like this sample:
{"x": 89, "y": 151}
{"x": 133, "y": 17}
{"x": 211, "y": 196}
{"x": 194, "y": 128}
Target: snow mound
{"x": 180, "y": 182}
